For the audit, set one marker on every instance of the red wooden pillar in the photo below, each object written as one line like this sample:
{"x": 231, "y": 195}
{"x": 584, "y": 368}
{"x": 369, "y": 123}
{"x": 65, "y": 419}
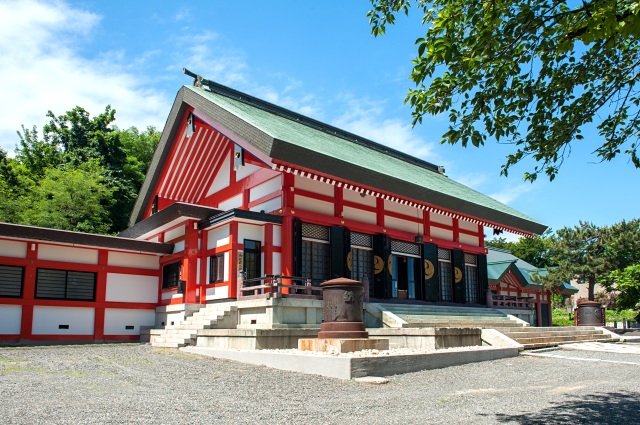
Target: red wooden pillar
{"x": 539, "y": 309}
{"x": 234, "y": 267}
{"x": 202, "y": 298}
{"x": 286, "y": 242}
{"x": 190, "y": 263}
{"x": 101, "y": 293}
{"x": 28, "y": 292}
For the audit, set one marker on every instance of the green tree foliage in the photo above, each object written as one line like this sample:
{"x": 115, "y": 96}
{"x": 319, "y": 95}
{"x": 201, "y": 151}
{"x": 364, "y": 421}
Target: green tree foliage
{"x": 532, "y": 74}
{"x": 71, "y": 199}
{"x": 579, "y": 254}
{"x": 76, "y": 144}
{"x": 535, "y": 251}
{"x": 627, "y": 283}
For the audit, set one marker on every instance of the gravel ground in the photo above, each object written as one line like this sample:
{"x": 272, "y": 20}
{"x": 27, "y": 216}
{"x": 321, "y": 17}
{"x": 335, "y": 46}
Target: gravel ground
{"x": 130, "y": 383}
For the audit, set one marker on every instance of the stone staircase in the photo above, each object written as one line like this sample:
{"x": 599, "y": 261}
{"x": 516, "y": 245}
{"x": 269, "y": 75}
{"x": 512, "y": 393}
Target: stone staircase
{"x": 436, "y": 316}
{"x": 532, "y": 338}
{"x": 211, "y": 316}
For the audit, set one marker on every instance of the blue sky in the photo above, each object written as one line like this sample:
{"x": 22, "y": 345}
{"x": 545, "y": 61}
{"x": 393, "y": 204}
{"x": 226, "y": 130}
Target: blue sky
{"x": 317, "y": 58}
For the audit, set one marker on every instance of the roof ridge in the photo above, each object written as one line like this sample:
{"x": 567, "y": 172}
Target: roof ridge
{"x": 225, "y": 91}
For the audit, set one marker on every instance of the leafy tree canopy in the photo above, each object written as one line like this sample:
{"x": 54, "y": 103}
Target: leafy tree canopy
{"x": 532, "y": 74}
{"x": 534, "y": 251}
{"x": 74, "y": 145}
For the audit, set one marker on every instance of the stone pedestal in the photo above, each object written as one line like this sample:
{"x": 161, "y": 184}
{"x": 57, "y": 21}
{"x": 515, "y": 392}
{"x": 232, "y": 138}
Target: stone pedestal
{"x": 341, "y": 345}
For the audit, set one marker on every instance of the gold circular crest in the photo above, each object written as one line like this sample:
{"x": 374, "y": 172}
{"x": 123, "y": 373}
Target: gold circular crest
{"x": 390, "y": 264}
{"x": 349, "y": 261}
{"x": 429, "y": 270}
{"x": 457, "y": 273}
{"x": 378, "y": 264}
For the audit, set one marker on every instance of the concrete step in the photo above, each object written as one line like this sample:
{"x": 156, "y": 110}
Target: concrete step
{"x": 531, "y": 346}
{"x": 557, "y": 328}
{"x": 518, "y": 333}
{"x": 420, "y": 317}
{"x": 438, "y": 310}
{"x": 455, "y": 324}
{"x": 560, "y": 339}
{"x": 172, "y": 340}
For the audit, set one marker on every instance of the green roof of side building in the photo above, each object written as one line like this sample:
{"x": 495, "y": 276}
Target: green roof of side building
{"x": 500, "y": 261}
{"x": 287, "y": 137}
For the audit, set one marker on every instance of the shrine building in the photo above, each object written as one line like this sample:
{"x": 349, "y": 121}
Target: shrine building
{"x": 251, "y": 206}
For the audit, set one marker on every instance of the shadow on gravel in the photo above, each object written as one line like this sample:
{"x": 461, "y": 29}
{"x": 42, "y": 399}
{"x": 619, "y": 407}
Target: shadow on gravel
{"x": 609, "y": 408}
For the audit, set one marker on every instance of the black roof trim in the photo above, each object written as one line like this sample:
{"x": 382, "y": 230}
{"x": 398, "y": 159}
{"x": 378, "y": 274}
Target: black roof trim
{"x": 217, "y": 88}
{"x": 20, "y": 231}
{"x": 239, "y": 214}
{"x": 167, "y": 215}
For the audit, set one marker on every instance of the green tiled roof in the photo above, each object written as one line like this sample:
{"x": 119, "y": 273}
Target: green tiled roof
{"x": 304, "y": 142}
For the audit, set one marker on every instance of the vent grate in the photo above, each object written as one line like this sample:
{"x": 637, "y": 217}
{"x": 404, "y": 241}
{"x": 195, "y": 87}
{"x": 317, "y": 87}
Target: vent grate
{"x": 444, "y": 254}
{"x": 405, "y": 247}
{"x": 313, "y": 231}
{"x": 361, "y": 239}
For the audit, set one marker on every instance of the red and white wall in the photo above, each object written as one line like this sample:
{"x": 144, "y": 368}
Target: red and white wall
{"x": 126, "y": 293}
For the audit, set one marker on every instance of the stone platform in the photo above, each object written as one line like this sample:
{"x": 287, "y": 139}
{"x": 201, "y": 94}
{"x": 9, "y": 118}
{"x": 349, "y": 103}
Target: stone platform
{"x": 358, "y": 365}
{"x": 341, "y": 345}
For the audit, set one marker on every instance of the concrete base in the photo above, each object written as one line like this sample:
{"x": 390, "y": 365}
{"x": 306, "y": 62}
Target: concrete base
{"x": 428, "y": 338}
{"x": 345, "y": 367}
{"x": 342, "y": 345}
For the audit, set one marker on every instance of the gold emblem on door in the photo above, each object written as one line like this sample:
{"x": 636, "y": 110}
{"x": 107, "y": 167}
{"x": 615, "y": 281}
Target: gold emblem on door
{"x": 457, "y": 273}
{"x": 429, "y": 269}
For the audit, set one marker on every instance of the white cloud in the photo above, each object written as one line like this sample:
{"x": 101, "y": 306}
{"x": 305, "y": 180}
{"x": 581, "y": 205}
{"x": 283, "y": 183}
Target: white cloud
{"x": 42, "y": 68}
{"x": 509, "y": 194}
{"x": 366, "y": 118}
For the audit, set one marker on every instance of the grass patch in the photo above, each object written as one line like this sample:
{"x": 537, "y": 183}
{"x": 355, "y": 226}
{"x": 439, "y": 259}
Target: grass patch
{"x": 560, "y": 317}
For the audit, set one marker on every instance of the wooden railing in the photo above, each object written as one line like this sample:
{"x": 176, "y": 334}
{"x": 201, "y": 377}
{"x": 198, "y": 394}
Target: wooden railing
{"x": 277, "y": 286}
{"x": 509, "y": 301}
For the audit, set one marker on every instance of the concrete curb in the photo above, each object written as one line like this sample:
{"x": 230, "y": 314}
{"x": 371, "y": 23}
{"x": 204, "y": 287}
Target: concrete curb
{"x": 348, "y": 367}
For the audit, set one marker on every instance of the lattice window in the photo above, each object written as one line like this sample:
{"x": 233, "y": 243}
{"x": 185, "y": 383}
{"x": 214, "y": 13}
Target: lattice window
{"x": 313, "y": 231}
{"x": 315, "y": 261}
{"x": 471, "y": 279}
{"x": 470, "y": 259}
{"x": 405, "y": 247}
{"x": 446, "y": 289}
{"x": 362, "y": 266}
{"x": 65, "y": 285}
{"x": 444, "y": 254}
{"x": 361, "y": 239}
{"x": 11, "y": 281}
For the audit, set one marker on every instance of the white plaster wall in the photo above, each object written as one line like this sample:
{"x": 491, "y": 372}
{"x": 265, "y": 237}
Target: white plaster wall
{"x": 402, "y": 209}
{"x": 353, "y": 196}
{"x": 314, "y": 205}
{"x": 169, "y": 294}
{"x": 467, "y": 225}
{"x": 222, "y": 178}
{"x": 270, "y": 205}
{"x": 132, "y": 288}
{"x": 10, "y": 319}
{"x": 217, "y": 293}
{"x": 359, "y": 215}
{"x": 68, "y": 254}
{"x": 218, "y": 237}
{"x": 250, "y": 231}
{"x": 407, "y": 226}
{"x": 277, "y": 263}
{"x": 277, "y": 236}
{"x": 469, "y": 240}
{"x": 117, "y": 319}
{"x": 154, "y": 239}
{"x": 47, "y": 319}
{"x": 263, "y": 189}
{"x": 127, "y": 259}
{"x": 227, "y": 260}
{"x": 246, "y": 170}
{"x": 437, "y": 232}
{"x": 178, "y": 247}
{"x": 439, "y": 218}
{"x": 13, "y": 249}
{"x": 314, "y": 186}
{"x": 235, "y": 202}
{"x": 174, "y": 233}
